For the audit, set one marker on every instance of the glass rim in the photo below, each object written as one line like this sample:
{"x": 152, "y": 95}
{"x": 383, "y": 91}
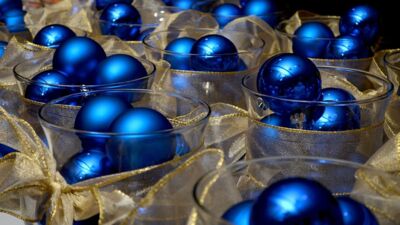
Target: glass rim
{"x": 192, "y": 100}
{"x": 389, "y": 62}
{"x": 384, "y": 82}
{"x": 149, "y": 46}
{"x": 265, "y": 160}
{"x": 21, "y": 78}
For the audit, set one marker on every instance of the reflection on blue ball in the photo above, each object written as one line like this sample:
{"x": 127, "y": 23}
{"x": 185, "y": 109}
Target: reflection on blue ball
{"x": 40, "y": 92}
{"x": 101, "y": 4}
{"x": 122, "y": 20}
{"x": 14, "y": 20}
{"x": 311, "y": 39}
{"x": 265, "y": 9}
{"x": 178, "y": 53}
{"x": 362, "y": 22}
{"x": 225, "y": 13}
{"x": 289, "y": 76}
{"x": 53, "y": 35}
{"x": 78, "y": 57}
{"x": 142, "y": 141}
{"x": 296, "y": 201}
{"x": 355, "y": 213}
{"x": 97, "y": 115}
{"x": 239, "y": 214}
{"x": 348, "y": 47}
{"x": 4, "y": 150}
{"x": 86, "y": 165}
{"x": 145, "y": 33}
{"x": 3, "y": 47}
{"x": 214, "y": 53}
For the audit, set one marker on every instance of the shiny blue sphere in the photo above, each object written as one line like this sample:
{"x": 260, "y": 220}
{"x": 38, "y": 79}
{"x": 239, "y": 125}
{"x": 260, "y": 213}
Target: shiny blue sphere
{"x": 142, "y": 145}
{"x": 348, "y": 47}
{"x": 239, "y": 214}
{"x": 122, "y": 20}
{"x": 243, "y": 2}
{"x": 4, "y": 150}
{"x": 53, "y": 35}
{"x": 86, "y": 165}
{"x": 78, "y": 57}
{"x": 40, "y": 92}
{"x": 288, "y": 76}
{"x": 14, "y": 20}
{"x": 214, "y": 53}
{"x": 277, "y": 120}
{"x": 97, "y": 115}
{"x": 145, "y": 33}
{"x": 182, "y": 4}
{"x": 311, "y": 39}
{"x": 296, "y": 201}
{"x": 361, "y": 21}
{"x": 265, "y": 9}
{"x": 101, "y": 4}
{"x": 3, "y": 48}
{"x": 7, "y": 5}
{"x": 336, "y": 117}
{"x": 225, "y": 13}
{"x": 355, "y": 213}
{"x": 179, "y": 53}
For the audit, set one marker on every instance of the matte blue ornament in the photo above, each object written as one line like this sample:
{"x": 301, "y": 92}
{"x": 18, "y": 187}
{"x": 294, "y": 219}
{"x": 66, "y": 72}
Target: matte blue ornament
{"x": 86, "y": 165}
{"x": 361, "y": 21}
{"x": 14, "y": 20}
{"x": 97, "y": 115}
{"x": 4, "y": 150}
{"x": 225, "y": 13}
{"x": 142, "y": 142}
{"x": 355, "y": 213}
{"x": 145, "y": 33}
{"x": 101, "y": 4}
{"x": 53, "y": 35}
{"x": 311, "y": 39}
{"x": 78, "y": 57}
{"x": 348, "y": 47}
{"x": 122, "y": 20}
{"x": 265, "y": 9}
{"x": 179, "y": 53}
{"x": 289, "y": 76}
{"x": 336, "y": 118}
{"x": 296, "y": 201}
{"x": 3, "y": 47}
{"x": 239, "y": 214}
{"x": 214, "y": 53}
{"x": 40, "y": 92}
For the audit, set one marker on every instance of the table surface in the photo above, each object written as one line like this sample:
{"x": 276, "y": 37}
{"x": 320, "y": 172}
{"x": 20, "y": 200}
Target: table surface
{"x": 9, "y": 220}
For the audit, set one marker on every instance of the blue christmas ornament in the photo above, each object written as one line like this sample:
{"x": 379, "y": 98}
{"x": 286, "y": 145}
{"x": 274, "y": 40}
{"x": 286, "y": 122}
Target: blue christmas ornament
{"x": 225, "y": 13}
{"x": 214, "y": 53}
{"x": 53, "y": 35}
{"x": 101, "y": 4}
{"x": 97, "y": 115}
{"x": 348, "y": 47}
{"x": 142, "y": 142}
{"x": 289, "y": 76}
{"x": 362, "y": 22}
{"x": 86, "y": 165}
{"x": 277, "y": 120}
{"x": 243, "y": 3}
{"x": 14, "y": 20}
{"x": 179, "y": 53}
{"x": 78, "y": 57}
{"x": 45, "y": 86}
{"x": 311, "y": 39}
{"x": 239, "y": 214}
{"x": 265, "y": 9}
{"x": 336, "y": 117}
{"x": 3, "y": 47}
{"x": 4, "y": 150}
{"x": 145, "y": 33}
{"x": 296, "y": 201}
{"x": 182, "y": 4}
{"x": 7, "y": 5}
{"x": 355, "y": 213}
{"x": 122, "y": 20}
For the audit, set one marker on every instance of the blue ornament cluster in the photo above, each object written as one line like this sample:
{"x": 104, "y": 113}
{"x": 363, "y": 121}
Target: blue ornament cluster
{"x": 292, "y": 85}
{"x": 12, "y": 15}
{"x": 358, "y": 32}
{"x": 298, "y": 201}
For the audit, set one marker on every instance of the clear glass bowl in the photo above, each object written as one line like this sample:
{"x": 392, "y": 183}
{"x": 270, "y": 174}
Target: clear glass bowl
{"x": 220, "y": 189}
{"x": 372, "y": 95}
{"x": 392, "y": 66}
{"x": 392, "y": 70}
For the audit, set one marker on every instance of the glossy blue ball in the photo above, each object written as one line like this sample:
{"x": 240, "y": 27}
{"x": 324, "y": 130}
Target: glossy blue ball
{"x": 178, "y": 53}
{"x": 239, "y": 214}
{"x": 311, "y": 39}
{"x": 348, "y": 47}
{"x": 53, "y": 35}
{"x": 122, "y": 20}
{"x": 341, "y": 95}
{"x": 86, "y": 165}
{"x": 225, "y": 13}
{"x": 265, "y": 9}
{"x": 277, "y": 120}
{"x": 183, "y": 4}
{"x": 4, "y": 150}
{"x": 296, "y": 201}
{"x": 361, "y": 21}
{"x": 288, "y": 76}
{"x": 7, "y": 5}
{"x": 243, "y": 2}
{"x": 144, "y": 143}
{"x": 214, "y": 53}
{"x": 96, "y": 115}
{"x": 355, "y": 213}
{"x": 40, "y": 92}
{"x": 78, "y": 57}
{"x": 14, "y": 20}
{"x": 145, "y": 33}
{"x": 3, "y": 48}
{"x": 101, "y": 4}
